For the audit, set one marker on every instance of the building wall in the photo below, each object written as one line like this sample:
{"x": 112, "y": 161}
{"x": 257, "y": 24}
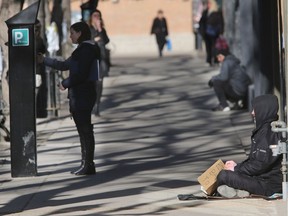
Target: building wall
{"x": 128, "y": 23}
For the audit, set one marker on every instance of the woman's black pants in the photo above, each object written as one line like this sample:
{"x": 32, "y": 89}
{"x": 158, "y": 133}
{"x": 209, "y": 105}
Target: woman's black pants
{"x": 210, "y": 49}
{"x": 161, "y": 41}
{"x": 84, "y": 127}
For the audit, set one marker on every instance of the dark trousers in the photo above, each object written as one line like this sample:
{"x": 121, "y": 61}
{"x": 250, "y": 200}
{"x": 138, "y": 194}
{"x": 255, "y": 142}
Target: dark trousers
{"x": 225, "y": 92}
{"x": 210, "y": 49}
{"x": 161, "y": 41}
{"x": 243, "y": 182}
{"x": 84, "y": 127}
{"x": 42, "y": 95}
{"x": 99, "y": 90}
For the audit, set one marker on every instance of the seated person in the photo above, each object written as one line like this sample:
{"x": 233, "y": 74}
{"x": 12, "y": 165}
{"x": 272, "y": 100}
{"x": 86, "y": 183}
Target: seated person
{"x": 231, "y": 83}
{"x": 260, "y": 173}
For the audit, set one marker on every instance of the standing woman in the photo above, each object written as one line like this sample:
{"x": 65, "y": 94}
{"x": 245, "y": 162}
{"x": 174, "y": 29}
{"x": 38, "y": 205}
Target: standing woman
{"x": 211, "y": 26}
{"x": 81, "y": 90}
{"x": 160, "y": 29}
{"x": 99, "y": 35}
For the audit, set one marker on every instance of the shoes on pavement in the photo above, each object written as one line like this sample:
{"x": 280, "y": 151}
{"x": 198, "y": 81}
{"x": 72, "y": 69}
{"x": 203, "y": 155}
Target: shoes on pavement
{"x": 239, "y": 105}
{"x": 242, "y": 193}
{"x": 226, "y": 191}
{"x": 79, "y": 168}
{"x": 229, "y": 192}
{"x": 86, "y": 169}
{"x": 220, "y": 108}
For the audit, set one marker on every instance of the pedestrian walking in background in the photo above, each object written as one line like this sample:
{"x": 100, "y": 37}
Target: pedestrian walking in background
{"x": 260, "y": 173}
{"x": 41, "y": 85}
{"x": 231, "y": 84}
{"x": 160, "y": 29}
{"x": 211, "y": 26}
{"x": 81, "y": 89}
{"x": 99, "y": 35}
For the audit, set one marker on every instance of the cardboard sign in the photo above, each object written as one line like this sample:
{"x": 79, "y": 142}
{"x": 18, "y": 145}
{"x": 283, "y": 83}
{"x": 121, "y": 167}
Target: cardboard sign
{"x": 208, "y": 178}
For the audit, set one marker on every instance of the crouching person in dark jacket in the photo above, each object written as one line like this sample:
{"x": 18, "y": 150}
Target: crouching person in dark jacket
{"x": 260, "y": 173}
{"x": 231, "y": 83}
{"x": 81, "y": 89}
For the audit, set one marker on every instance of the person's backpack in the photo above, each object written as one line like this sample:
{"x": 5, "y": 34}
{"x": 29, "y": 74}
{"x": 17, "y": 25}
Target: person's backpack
{"x": 95, "y": 72}
{"x": 221, "y": 43}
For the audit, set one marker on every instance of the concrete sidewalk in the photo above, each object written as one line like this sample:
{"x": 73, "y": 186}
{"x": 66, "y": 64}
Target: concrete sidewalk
{"x": 155, "y": 136}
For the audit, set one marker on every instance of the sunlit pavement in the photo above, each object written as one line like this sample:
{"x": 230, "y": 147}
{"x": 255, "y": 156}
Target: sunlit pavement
{"x": 155, "y": 136}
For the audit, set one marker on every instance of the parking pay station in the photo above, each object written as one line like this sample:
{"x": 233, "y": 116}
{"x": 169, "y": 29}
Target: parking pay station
{"x": 22, "y": 69}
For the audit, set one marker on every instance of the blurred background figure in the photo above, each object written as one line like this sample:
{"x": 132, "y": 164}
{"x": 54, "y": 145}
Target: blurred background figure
{"x": 99, "y": 34}
{"x": 231, "y": 84}
{"x": 197, "y": 7}
{"x": 52, "y": 39}
{"x": 160, "y": 29}
{"x": 41, "y": 85}
{"x": 211, "y": 26}
{"x": 57, "y": 17}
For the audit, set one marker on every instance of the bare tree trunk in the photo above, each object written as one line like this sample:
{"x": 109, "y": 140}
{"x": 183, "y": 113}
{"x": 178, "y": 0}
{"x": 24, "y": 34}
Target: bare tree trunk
{"x": 28, "y": 3}
{"x": 67, "y": 45}
{"x": 8, "y": 9}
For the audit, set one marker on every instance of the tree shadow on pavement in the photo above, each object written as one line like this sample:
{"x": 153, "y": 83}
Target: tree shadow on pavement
{"x": 156, "y": 133}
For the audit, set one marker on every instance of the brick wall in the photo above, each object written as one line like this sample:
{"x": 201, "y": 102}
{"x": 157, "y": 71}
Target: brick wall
{"x": 135, "y": 16}
{"x": 128, "y": 23}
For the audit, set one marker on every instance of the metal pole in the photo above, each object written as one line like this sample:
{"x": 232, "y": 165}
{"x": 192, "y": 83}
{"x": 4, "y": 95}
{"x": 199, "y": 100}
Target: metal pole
{"x": 48, "y": 81}
{"x": 281, "y": 148}
{"x": 284, "y": 37}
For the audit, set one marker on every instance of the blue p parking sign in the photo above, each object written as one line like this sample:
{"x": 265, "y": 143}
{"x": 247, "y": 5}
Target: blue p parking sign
{"x": 20, "y": 37}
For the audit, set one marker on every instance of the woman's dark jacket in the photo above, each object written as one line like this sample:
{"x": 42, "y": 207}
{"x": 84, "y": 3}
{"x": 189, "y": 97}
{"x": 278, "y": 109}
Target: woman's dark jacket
{"x": 81, "y": 89}
{"x": 214, "y": 20}
{"x": 261, "y": 164}
{"x": 104, "y": 39}
{"x": 159, "y": 27}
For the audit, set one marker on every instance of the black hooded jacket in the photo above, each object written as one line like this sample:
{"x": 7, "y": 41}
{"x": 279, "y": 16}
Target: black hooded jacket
{"x": 261, "y": 164}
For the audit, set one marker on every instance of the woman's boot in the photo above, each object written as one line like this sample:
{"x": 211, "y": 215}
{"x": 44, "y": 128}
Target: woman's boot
{"x": 88, "y": 167}
{"x": 83, "y": 152}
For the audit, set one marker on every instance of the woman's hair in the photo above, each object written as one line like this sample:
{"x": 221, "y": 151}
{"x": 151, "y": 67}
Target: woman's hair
{"x": 100, "y": 16}
{"x": 160, "y": 11}
{"x": 213, "y": 7}
{"x": 224, "y": 52}
{"x": 84, "y": 29}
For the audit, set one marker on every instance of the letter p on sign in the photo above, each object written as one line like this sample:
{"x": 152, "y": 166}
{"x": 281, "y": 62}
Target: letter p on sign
{"x": 20, "y": 37}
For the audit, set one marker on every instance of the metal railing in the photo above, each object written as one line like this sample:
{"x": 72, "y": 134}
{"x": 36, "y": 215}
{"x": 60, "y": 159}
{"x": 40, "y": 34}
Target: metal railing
{"x": 281, "y": 148}
{"x": 54, "y": 77}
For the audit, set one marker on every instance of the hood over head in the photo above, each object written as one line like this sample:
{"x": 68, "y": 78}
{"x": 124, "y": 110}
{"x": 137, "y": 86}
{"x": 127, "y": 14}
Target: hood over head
{"x": 265, "y": 108}
{"x": 224, "y": 52}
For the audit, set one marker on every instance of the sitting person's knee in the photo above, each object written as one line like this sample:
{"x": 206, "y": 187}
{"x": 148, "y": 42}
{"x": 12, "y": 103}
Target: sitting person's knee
{"x": 217, "y": 82}
{"x": 222, "y": 176}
